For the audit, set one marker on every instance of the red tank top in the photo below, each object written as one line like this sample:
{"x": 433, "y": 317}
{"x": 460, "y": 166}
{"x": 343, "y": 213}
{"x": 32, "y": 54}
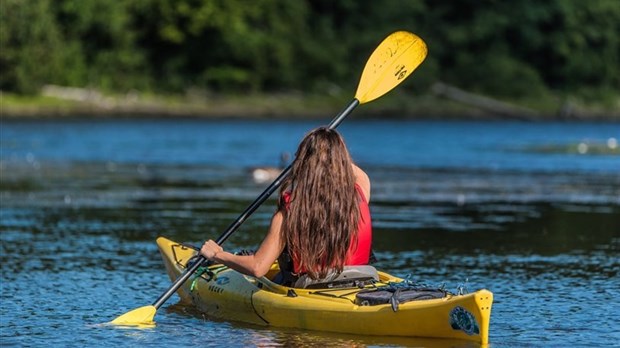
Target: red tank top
{"x": 359, "y": 252}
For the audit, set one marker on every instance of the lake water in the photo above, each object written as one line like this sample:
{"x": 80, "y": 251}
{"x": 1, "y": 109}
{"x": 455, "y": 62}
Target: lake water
{"x": 530, "y": 211}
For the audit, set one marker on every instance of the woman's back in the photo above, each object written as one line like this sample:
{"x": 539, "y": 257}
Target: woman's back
{"x": 325, "y": 207}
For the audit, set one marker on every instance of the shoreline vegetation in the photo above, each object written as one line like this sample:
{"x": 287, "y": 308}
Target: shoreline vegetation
{"x": 300, "y": 59}
{"x": 442, "y": 101}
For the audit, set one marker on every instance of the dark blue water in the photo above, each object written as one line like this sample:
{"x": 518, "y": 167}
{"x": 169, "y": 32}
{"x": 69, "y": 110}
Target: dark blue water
{"x": 530, "y": 211}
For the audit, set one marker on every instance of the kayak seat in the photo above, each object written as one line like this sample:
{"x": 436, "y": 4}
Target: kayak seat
{"x": 350, "y": 277}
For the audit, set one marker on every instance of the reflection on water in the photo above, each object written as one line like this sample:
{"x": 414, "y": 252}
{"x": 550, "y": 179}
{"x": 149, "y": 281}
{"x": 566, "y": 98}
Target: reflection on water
{"x": 541, "y": 229}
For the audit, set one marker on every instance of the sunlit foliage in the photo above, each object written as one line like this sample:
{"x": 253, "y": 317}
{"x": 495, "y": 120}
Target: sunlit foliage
{"x": 502, "y": 48}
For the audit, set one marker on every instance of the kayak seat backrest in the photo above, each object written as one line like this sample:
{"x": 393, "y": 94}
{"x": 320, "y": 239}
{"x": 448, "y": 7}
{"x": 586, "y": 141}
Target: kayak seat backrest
{"x": 350, "y": 277}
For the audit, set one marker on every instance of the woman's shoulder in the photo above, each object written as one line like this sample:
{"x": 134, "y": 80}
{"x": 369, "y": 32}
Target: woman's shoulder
{"x": 363, "y": 181}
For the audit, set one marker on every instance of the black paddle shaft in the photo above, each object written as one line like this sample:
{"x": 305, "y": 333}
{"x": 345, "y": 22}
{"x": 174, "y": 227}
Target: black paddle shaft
{"x": 246, "y": 213}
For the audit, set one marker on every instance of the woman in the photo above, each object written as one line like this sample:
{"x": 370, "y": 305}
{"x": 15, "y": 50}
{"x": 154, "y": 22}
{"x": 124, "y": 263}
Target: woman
{"x": 322, "y": 220}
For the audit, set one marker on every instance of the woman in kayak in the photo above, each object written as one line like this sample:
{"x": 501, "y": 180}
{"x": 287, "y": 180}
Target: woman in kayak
{"x": 322, "y": 222}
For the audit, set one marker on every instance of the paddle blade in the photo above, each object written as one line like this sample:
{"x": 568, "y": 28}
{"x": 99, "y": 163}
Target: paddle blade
{"x": 390, "y": 64}
{"x": 142, "y": 316}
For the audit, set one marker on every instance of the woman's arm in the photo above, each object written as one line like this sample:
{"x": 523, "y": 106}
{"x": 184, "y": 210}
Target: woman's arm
{"x": 256, "y": 265}
{"x": 362, "y": 179}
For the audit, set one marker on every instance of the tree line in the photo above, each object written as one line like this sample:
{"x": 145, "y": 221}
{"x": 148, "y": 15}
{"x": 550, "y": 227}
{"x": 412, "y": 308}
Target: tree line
{"x": 500, "y": 48}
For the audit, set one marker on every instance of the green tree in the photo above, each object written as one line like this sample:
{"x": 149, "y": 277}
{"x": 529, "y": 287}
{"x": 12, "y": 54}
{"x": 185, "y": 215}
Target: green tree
{"x": 584, "y": 45}
{"x": 31, "y": 46}
{"x": 504, "y": 48}
{"x": 100, "y": 45}
{"x": 221, "y": 44}
{"x": 522, "y": 48}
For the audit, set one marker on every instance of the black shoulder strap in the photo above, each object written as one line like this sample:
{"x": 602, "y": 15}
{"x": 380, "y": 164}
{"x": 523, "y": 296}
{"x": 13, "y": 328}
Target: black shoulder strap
{"x": 372, "y": 258}
{"x": 285, "y": 261}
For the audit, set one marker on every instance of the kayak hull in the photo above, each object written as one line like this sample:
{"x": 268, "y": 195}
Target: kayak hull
{"x": 226, "y": 294}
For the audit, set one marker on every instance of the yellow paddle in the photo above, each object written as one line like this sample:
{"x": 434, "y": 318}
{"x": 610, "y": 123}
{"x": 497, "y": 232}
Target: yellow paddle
{"x": 390, "y": 64}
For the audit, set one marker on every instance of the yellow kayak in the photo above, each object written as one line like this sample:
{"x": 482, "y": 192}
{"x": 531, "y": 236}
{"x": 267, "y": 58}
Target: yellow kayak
{"x": 221, "y": 292}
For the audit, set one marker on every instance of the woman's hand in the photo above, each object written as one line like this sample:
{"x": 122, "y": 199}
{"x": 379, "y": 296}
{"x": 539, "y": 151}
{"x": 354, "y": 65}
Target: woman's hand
{"x": 210, "y": 249}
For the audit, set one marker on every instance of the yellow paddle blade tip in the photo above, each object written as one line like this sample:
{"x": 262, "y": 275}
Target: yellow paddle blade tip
{"x": 390, "y": 64}
{"x": 142, "y": 317}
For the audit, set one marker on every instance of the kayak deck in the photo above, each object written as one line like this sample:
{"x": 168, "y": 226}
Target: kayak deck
{"x": 221, "y": 292}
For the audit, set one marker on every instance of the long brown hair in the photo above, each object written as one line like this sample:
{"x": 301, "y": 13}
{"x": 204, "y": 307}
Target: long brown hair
{"x": 322, "y": 215}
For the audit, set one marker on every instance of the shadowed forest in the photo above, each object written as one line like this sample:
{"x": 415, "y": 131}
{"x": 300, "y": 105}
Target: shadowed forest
{"x": 553, "y": 58}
